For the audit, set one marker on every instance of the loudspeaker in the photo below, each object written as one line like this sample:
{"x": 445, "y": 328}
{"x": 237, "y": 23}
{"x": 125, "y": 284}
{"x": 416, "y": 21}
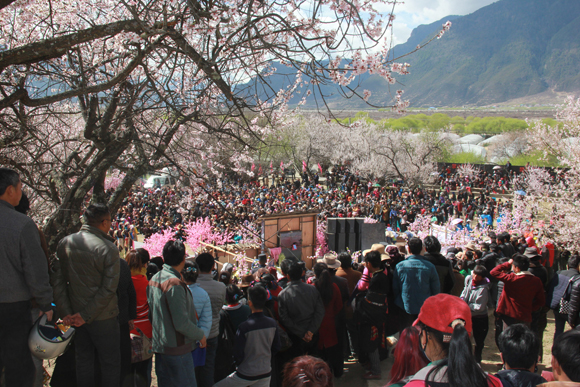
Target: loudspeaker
{"x": 331, "y": 225}
{"x": 352, "y": 242}
{"x": 341, "y": 240}
{"x": 372, "y": 233}
{"x": 352, "y": 226}
{"x": 342, "y": 227}
{"x": 331, "y": 241}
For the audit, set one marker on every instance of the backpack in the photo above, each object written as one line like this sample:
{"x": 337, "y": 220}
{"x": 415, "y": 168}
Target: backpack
{"x": 224, "y": 359}
{"x": 565, "y": 301}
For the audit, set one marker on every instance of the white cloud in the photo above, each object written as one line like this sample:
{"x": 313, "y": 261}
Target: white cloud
{"x": 412, "y": 13}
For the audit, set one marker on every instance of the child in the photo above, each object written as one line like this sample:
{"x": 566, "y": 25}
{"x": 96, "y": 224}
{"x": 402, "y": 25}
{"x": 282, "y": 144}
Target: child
{"x": 256, "y": 342}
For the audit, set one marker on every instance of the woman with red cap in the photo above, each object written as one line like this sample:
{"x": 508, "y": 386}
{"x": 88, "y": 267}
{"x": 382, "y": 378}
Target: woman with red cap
{"x": 445, "y": 324}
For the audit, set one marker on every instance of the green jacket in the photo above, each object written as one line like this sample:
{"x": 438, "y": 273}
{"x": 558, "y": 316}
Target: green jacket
{"x": 86, "y": 275}
{"x": 172, "y": 314}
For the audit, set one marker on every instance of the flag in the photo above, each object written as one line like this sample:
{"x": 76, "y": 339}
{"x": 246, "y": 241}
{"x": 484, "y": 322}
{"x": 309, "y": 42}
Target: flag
{"x": 253, "y": 167}
{"x": 260, "y": 170}
{"x": 281, "y": 165}
{"x": 303, "y": 166}
{"x": 319, "y": 168}
{"x": 271, "y": 167}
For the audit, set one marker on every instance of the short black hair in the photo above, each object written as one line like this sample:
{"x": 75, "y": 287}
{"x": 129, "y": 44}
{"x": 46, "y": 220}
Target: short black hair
{"x": 494, "y": 247}
{"x": 152, "y": 269}
{"x": 521, "y": 262}
{"x": 480, "y": 270}
{"x": 295, "y": 271}
{"x": 519, "y": 346}
{"x": 566, "y": 350}
{"x": 8, "y": 177}
{"x": 190, "y": 271}
{"x": 574, "y": 261}
{"x": 345, "y": 260}
{"x": 205, "y": 261}
{"x": 285, "y": 266}
{"x": 233, "y": 294}
{"x": 374, "y": 258}
{"x": 432, "y": 244}
{"x": 96, "y": 213}
{"x": 173, "y": 252}
{"x": 258, "y": 295}
{"x": 415, "y": 245}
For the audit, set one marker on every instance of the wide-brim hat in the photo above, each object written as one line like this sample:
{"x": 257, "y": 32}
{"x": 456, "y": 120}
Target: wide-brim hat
{"x": 380, "y": 248}
{"x": 531, "y": 252}
{"x": 443, "y": 312}
{"x": 247, "y": 280}
{"x": 471, "y": 246}
{"x": 330, "y": 260}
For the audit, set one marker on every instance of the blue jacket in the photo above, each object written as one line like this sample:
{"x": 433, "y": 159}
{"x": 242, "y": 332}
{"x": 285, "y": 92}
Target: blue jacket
{"x": 202, "y": 307}
{"x": 415, "y": 280}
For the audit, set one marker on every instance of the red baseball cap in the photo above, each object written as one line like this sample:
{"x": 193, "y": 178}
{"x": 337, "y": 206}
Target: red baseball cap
{"x": 443, "y": 311}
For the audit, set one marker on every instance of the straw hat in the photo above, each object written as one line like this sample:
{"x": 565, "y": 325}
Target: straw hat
{"x": 330, "y": 260}
{"x": 380, "y": 248}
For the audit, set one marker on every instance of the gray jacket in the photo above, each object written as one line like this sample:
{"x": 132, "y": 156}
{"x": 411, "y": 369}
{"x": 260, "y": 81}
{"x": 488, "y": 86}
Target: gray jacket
{"x": 24, "y": 273}
{"x": 217, "y": 295}
{"x": 86, "y": 275}
{"x": 477, "y": 297}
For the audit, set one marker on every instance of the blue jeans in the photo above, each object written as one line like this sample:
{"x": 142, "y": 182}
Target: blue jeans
{"x": 175, "y": 371}
{"x": 15, "y": 356}
{"x": 205, "y": 374}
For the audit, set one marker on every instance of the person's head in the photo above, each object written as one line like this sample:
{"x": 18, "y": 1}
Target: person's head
{"x": 566, "y": 356}
{"x": 174, "y": 253}
{"x": 574, "y": 262}
{"x": 295, "y": 271}
{"x": 503, "y": 237}
{"x": 262, "y": 259}
{"x": 24, "y": 205}
{"x": 373, "y": 259}
{"x": 432, "y": 244}
{"x": 520, "y": 263}
{"x": 519, "y": 347}
{"x": 137, "y": 259}
{"x": 233, "y": 294}
{"x": 257, "y": 298}
{"x": 494, "y": 247}
{"x": 285, "y": 266}
{"x": 10, "y": 186}
{"x": 408, "y": 356}
{"x": 152, "y": 269}
{"x": 479, "y": 273}
{"x": 415, "y": 246}
{"x": 190, "y": 272}
{"x": 206, "y": 262}
{"x": 307, "y": 371}
{"x": 98, "y": 216}
{"x": 345, "y": 260}
{"x": 225, "y": 277}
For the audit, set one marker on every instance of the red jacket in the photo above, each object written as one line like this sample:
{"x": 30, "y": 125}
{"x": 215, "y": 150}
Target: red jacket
{"x": 522, "y": 293}
{"x": 142, "y": 321}
{"x": 327, "y": 331}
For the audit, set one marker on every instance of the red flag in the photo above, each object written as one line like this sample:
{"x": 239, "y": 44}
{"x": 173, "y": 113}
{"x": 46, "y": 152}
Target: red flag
{"x": 319, "y": 168}
{"x": 281, "y": 165}
{"x": 303, "y": 166}
{"x": 271, "y": 167}
{"x": 260, "y": 170}
{"x": 253, "y": 167}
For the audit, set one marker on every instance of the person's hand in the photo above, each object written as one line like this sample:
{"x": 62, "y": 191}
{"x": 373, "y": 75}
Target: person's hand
{"x": 77, "y": 320}
{"x": 308, "y": 336}
{"x": 67, "y": 320}
{"x": 49, "y": 314}
{"x": 511, "y": 261}
{"x": 203, "y": 342}
{"x": 131, "y": 324}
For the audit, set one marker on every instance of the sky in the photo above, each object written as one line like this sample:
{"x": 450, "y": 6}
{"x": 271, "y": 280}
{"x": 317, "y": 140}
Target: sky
{"x": 412, "y": 13}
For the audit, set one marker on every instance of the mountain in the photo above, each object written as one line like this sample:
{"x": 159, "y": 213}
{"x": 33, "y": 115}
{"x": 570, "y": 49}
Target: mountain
{"x": 511, "y": 49}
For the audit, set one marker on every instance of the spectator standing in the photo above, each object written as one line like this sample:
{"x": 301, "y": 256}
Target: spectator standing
{"x": 522, "y": 292}
{"x": 476, "y": 294}
{"x": 24, "y": 276}
{"x": 85, "y": 288}
{"x": 301, "y": 312}
{"x": 415, "y": 280}
{"x": 566, "y": 360}
{"x": 256, "y": 342}
{"x": 217, "y": 294}
{"x": 127, "y": 315}
{"x": 236, "y": 310}
{"x": 443, "y": 266}
{"x": 174, "y": 321}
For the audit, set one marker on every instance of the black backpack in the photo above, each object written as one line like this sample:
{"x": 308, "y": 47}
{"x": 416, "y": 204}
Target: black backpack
{"x": 224, "y": 359}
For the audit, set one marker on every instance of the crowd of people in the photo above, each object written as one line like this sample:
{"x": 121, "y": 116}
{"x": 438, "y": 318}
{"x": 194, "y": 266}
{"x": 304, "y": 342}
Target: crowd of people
{"x": 282, "y": 324}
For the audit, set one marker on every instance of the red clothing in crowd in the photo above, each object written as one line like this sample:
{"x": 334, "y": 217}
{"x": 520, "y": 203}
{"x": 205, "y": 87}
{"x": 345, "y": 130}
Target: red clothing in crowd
{"x": 327, "y": 331}
{"x": 522, "y": 293}
{"x": 142, "y": 321}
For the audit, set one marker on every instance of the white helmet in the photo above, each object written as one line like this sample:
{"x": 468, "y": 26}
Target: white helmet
{"x": 47, "y": 341}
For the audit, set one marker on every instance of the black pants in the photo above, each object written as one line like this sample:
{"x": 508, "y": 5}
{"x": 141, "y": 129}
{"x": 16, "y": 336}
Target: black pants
{"x": 102, "y": 336}
{"x": 333, "y": 357}
{"x": 480, "y": 328}
{"x": 15, "y": 324}
{"x": 125, "y": 347}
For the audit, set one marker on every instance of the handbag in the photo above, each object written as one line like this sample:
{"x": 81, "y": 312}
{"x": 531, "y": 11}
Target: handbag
{"x": 141, "y": 348}
{"x": 285, "y": 340}
{"x": 565, "y": 300}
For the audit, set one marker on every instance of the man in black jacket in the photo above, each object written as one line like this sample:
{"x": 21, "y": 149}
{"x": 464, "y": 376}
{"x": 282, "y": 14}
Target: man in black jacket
{"x": 443, "y": 266}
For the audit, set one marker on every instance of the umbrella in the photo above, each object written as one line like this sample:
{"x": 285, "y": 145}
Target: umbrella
{"x": 455, "y": 222}
{"x": 521, "y": 193}
{"x": 377, "y": 185}
{"x": 434, "y": 173}
{"x": 497, "y": 167}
